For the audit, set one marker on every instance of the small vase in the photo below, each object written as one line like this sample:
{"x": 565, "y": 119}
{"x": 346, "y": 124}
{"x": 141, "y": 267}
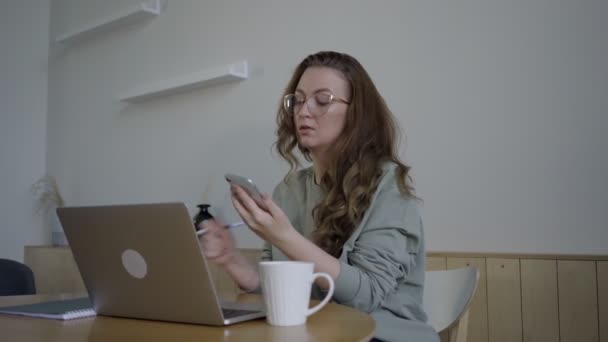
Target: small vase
{"x": 57, "y": 234}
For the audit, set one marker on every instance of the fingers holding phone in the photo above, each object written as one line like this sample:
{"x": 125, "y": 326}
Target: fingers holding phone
{"x": 268, "y": 222}
{"x": 249, "y": 187}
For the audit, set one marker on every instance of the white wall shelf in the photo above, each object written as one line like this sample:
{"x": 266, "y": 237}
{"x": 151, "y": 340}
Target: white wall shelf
{"x": 222, "y": 74}
{"x": 142, "y": 10}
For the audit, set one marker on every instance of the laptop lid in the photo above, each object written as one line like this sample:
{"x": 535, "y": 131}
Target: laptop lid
{"x": 143, "y": 261}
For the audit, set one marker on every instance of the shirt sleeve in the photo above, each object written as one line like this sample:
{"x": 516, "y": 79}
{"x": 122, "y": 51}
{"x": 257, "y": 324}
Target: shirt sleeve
{"x": 383, "y": 254}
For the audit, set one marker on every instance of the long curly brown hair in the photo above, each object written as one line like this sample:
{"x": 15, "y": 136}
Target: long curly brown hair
{"x": 369, "y": 139}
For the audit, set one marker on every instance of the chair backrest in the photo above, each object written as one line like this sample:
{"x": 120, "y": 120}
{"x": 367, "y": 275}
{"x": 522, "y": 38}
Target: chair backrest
{"x": 448, "y": 295}
{"x": 16, "y": 278}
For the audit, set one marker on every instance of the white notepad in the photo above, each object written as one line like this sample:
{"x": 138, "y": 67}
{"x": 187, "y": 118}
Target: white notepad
{"x": 58, "y": 309}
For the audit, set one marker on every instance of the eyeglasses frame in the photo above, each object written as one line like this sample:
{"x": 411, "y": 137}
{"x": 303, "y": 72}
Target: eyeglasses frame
{"x": 332, "y": 98}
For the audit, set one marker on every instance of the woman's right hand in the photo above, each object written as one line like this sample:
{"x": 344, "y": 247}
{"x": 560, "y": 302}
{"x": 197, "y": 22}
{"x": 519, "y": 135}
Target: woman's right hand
{"x": 217, "y": 243}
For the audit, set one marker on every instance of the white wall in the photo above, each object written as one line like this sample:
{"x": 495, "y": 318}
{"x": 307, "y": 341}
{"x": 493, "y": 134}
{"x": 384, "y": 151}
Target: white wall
{"x": 503, "y": 104}
{"x": 24, "y": 37}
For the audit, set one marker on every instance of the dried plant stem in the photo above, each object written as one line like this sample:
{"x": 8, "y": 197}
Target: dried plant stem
{"x": 47, "y": 194}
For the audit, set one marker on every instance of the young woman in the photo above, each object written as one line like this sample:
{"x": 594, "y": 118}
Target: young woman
{"x": 352, "y": 213}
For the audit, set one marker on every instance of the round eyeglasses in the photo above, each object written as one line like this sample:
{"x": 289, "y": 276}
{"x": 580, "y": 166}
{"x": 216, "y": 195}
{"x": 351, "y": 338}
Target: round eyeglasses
{"x": 317, "y": 104}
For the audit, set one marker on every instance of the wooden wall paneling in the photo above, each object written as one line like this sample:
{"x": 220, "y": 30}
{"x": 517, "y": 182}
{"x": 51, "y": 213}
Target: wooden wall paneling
{"x": 436, "y": 263}
{"x": 54, "y": 268}
{"x": 578, "y": 307}
{"x": 602, "y": 292}
{"x": 539, "y": 300}
{"x": 581, "y": 290}
{"x": 504, "y": 300}
{"x": 478, "y": 312}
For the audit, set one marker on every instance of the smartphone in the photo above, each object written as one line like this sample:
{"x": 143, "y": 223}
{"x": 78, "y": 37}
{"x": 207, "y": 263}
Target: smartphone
{"x": 248, "y": 185}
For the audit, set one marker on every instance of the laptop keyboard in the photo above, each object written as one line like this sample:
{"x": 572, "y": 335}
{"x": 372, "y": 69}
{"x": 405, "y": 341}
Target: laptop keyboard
{"x": 231, "y": 313}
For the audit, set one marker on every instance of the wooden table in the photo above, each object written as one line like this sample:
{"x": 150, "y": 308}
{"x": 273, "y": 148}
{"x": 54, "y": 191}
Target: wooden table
{"x": 333, "y": 323}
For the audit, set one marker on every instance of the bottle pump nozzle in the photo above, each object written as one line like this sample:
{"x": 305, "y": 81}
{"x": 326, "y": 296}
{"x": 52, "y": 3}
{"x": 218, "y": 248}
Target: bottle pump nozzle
{"x": 202, "y": 215}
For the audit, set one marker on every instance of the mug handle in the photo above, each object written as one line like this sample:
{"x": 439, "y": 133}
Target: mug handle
{"x": 327, "y": 296}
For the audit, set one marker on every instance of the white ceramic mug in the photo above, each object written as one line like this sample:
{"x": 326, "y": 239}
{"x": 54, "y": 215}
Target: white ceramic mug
{"x": 286, "y": 287}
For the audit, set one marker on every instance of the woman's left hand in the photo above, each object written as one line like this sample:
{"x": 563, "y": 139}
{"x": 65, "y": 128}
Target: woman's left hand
{"x": 269, "y": 223}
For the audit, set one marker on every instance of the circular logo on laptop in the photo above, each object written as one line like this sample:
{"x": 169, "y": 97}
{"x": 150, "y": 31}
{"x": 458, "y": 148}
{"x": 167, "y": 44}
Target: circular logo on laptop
{"x": 134, "y": 263}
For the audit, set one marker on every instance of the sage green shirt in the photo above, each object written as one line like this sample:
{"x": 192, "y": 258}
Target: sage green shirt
{"x": 383, "y": 262}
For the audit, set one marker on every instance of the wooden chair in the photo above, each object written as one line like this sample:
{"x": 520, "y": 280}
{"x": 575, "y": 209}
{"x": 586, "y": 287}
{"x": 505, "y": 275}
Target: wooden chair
{"x": 447, "y": 297}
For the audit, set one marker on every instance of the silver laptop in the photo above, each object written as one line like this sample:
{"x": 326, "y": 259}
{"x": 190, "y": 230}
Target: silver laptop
{"x": 144, "y": 261}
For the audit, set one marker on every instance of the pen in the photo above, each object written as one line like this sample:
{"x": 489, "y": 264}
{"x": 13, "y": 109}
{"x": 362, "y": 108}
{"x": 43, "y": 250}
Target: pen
{"x": 228, "y": 226}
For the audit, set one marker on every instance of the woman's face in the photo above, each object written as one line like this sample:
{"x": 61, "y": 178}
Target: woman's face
{"x": 320, "y": 128}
